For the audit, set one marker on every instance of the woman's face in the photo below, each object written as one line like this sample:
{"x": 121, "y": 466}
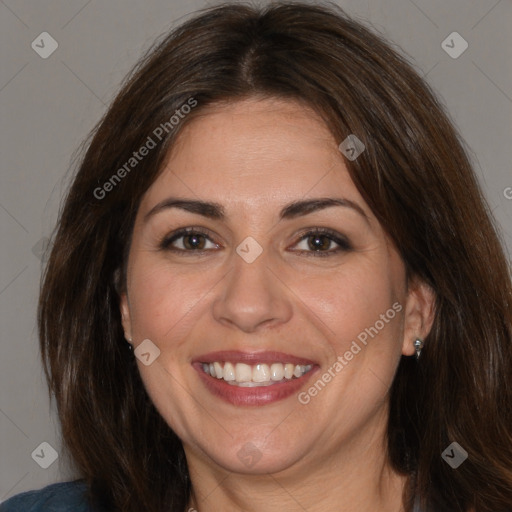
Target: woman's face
{"x": 285, "y": 282}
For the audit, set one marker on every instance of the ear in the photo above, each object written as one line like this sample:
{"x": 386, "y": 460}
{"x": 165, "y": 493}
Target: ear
{"x": 419, "y": 314}
{"x": 124, "y": 307}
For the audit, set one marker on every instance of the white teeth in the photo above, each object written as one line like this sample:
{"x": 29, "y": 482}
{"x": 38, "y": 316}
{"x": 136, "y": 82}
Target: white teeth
{"x": 250, "y": 384}
{"x": 218, "y": 370}
{"x": 243, "y": 372}
{"x": 288, "y": 371}
{"x": 229, "y": 372}
{"x": 277, "y": 371}
{"x": 261, "y": 374}
{"x": 298, "y": 371}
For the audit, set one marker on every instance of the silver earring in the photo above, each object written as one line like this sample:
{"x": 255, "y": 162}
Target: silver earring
{"x": 418, "y": 345}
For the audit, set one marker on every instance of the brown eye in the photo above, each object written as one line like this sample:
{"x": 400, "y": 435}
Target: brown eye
{"x": 195, "y": 241}
{"x": 319, "y": 242}
{"x": 188, "y": 240}
{"x": 322, "y": 242}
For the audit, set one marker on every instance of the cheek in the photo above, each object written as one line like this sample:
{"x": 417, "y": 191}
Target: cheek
{"x": 350, "y": 301}
{"x": 162, "y": 300}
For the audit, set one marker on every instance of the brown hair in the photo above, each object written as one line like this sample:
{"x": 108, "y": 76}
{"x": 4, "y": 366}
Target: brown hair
{"x": 414, "y": 175}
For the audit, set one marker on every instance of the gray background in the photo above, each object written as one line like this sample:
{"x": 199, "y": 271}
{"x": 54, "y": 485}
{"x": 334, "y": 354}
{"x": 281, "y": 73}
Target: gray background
{"x": 48, "y": 106}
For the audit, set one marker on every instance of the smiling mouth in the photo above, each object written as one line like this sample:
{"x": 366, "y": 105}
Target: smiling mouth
{"x": 256, "y": 375}
{"x": 253, "y": 377}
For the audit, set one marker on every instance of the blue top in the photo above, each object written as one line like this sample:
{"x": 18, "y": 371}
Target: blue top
{"x": 62, "y": 497}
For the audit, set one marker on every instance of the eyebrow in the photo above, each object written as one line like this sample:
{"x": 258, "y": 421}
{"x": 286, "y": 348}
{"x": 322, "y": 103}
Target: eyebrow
{"x": 292, "y": 210}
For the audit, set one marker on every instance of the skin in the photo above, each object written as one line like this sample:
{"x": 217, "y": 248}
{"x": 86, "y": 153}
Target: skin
{"x": 254, "y": 157}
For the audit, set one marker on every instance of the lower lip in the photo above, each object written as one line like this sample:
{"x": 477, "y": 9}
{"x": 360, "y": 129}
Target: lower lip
{"x": 261, "y": 395}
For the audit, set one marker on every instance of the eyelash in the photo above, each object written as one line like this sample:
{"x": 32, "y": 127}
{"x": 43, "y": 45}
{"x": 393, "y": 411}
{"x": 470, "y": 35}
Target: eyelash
{"x": 342, "y": 242}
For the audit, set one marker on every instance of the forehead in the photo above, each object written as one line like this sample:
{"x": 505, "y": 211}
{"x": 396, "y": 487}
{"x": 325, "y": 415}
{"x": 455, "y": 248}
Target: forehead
{"x": 254, "y": 150}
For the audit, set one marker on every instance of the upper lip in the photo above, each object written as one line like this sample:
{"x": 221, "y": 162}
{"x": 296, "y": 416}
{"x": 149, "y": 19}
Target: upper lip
{"x": 253, "y": 357}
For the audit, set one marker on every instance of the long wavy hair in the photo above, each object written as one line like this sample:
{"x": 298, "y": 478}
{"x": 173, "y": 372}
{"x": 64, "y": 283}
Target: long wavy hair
{"x": 415, "y": 176}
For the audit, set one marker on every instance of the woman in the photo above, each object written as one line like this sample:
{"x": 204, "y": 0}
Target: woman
{"x": 274, "y": 276}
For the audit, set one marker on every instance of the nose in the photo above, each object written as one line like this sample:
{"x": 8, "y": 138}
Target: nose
{"x": 251, "y": 297}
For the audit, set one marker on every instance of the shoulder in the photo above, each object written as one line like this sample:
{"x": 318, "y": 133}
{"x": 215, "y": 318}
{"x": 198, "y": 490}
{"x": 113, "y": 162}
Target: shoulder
{"x": 61, "y": 497}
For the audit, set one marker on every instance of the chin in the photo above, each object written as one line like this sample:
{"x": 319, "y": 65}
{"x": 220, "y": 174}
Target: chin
{"x": 248, "y": 460}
